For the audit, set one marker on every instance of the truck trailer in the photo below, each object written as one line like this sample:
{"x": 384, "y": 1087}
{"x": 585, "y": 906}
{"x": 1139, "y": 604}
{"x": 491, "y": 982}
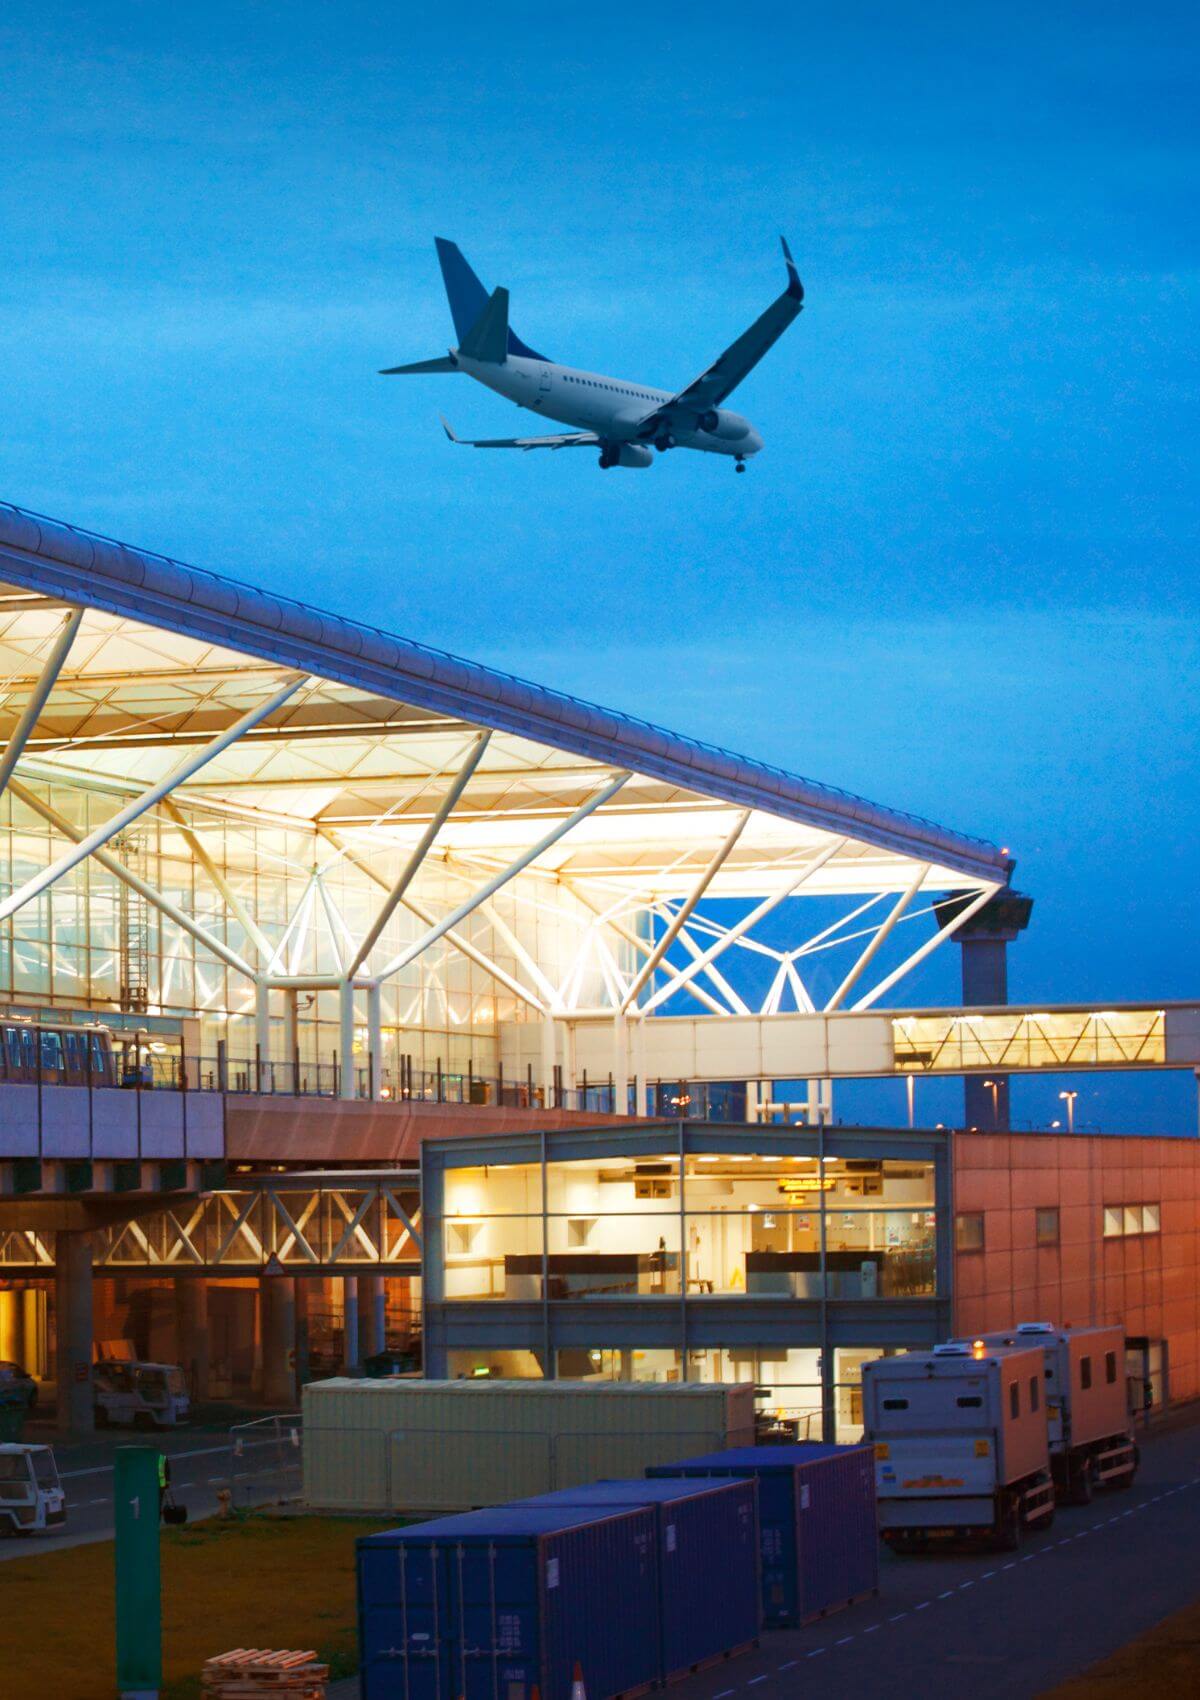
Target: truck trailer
{"x": 1087, "y": 1405}
{"x": 961, "y": 1445}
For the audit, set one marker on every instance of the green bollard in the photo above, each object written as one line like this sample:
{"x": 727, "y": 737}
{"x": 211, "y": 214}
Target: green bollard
{"x": 138, "y": 1577}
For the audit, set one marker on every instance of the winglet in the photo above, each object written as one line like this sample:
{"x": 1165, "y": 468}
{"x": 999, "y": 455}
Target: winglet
{"x": 447, "y": 428}
{"x": 795, "y": 288}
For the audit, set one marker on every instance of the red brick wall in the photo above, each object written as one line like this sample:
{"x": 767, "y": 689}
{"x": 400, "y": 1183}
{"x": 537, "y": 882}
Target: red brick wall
{"x": 1149, "y": 1284}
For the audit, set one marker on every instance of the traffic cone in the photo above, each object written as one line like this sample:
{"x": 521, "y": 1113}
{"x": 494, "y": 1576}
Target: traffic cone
{"x": 578, "y": 1691}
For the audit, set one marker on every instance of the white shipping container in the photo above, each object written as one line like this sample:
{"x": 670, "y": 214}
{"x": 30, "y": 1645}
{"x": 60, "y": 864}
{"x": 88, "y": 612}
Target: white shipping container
{"x": 409, "y": 1445}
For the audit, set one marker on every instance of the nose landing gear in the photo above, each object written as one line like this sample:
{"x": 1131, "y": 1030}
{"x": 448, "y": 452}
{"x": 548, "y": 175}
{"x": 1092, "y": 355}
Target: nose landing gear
{"x": 739, "y": 465}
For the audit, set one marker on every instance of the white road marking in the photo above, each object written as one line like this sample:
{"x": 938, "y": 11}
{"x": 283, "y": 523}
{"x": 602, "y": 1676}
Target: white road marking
{"x": 1011, "y": 1565}
{"x": 923, "y": 1605}
{"x": 844, "y": 1641}
{"x": 987, "y": 1575}
{"x": 963, "y": 1585}
{"x": 872, "y": 1629}
{"x": 897, "y": 1617}
{"x": 789, "y": 1664}
{"x": 946, "y": 1595}
{"x": 816, "y": 1652}
{"x": 754, "y": 1680}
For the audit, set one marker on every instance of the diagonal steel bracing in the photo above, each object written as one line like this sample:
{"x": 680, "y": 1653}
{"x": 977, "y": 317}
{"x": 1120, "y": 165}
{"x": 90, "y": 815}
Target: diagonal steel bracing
{"x": 706, "y": 878}
{"x": 459, "y": 784}
{"x": 101, "y": 835}
{"x": 47, "y": 679}
{"x": 490, "y": 887}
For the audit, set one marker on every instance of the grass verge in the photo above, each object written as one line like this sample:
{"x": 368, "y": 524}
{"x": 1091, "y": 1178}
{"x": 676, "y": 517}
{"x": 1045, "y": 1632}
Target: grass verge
{"x": 259, "y": 1581}
{"x": 1163, "y": 1662}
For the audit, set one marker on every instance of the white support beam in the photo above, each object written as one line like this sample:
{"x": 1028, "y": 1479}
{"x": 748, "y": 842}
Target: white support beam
{"x": 101, "y": 835}
{"x": 501, "y": 878}
{"x": 736, "y": 1003}
{"x": 930, "y": 945}
{"x": 881, "y": 936}
{"x": 375, "y": 1042}
{"x": 119, "y": 871}
{"x": 457, "y": 939}
{"x": 740, "y": 928}
{"x": 241, "y": 914}
{"x": 459, "y": 784}
{"x": 608, "y": 919}
{"x": 337, "y": 927}
{"x": 47, "y": 679}
{"x": 706, "y": 878}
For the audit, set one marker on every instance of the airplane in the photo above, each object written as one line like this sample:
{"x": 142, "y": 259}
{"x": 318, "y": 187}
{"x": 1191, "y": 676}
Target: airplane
{"x": 621, "y": 419}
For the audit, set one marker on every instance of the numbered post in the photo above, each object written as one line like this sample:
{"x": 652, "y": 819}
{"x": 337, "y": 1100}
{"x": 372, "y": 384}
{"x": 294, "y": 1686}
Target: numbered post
{"x": 138, "y": 1578}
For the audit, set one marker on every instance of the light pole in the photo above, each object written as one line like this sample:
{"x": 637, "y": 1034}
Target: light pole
{"x": 1068, "y": 1099}
{"x": 995, "y": 1086}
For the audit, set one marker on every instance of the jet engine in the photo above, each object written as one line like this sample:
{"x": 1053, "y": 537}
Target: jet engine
{"x": 719, "y": 422}
{"x": 624, "y": 454}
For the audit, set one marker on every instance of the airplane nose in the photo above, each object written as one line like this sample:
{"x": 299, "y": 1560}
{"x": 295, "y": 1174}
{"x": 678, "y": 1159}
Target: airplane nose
{"x": 753, "y": 443}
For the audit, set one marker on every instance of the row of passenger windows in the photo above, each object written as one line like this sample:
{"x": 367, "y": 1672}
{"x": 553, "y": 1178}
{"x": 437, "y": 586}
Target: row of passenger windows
{"x": 618, "y": 389}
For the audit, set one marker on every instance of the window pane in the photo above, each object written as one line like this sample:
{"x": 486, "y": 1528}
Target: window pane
{"x": 496, "y": 1259}
{"x": 1133, "y": 1218}
{"x": 968, "y": 1232}
{"x": 1150, "y": 1218}
{"x": 1112, "y": 1221}
{"x": 1047, "y": 1227}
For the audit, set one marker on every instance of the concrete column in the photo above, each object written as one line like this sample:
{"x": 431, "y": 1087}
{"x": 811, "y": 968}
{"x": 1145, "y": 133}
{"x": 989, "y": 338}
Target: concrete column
{"x": 752, "y": 1101}
{"x": 73, "y": 1328}
{"x": 549, "y": 1048}
{"x": 375, "y": 1039}
{"x": 279, "y": 1340}
{"x": 346, "y": 1062}
{"x": 372, "y": 1315}
{"x": 34, "y": 1331}
{"x": 191, "y": 1299}
{"x": 12, "y": 1327}
{"x": 350, "y": 1352}
{"x": 291, "y": 1037}
{"x": 262, "y": 1032}
{"x": 620, "y": 1064}
{"x": 639, "y": 1068}
{"x": 984, "y": 942}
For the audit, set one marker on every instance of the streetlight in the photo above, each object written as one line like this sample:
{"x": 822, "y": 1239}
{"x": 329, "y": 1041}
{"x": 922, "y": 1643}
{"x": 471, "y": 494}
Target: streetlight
{"x": 1068, "y": 1099}
{"x": 995, "y": 1086}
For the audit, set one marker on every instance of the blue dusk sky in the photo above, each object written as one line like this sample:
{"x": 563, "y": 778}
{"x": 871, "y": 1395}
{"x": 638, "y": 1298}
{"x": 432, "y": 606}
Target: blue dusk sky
{"x": 961, "y": 577}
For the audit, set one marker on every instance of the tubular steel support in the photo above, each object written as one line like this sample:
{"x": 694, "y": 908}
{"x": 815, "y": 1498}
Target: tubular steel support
{"x": 459, "y": 784}
{"x": 100, "y": 836}
{"x": 664, "y": 944}
{"x": 47, "y": 679}
{"x": 497, "y": 880}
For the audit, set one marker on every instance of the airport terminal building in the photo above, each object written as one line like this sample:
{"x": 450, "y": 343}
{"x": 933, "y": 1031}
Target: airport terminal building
{"x": 285, "y": 900}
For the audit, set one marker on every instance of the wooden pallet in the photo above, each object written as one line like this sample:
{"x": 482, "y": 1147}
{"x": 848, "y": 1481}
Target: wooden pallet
{"x": 259, "y": 1673}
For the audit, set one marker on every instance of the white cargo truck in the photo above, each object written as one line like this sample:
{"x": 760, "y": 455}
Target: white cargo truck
{"x": 31, "y": 1495}
{"x": 961, "y": 1445}
{"x": 1087, "y": 1405}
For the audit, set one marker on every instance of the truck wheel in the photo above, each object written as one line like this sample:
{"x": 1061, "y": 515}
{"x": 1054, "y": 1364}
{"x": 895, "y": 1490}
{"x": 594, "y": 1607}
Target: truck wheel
{"x": 1083, "y": 1482}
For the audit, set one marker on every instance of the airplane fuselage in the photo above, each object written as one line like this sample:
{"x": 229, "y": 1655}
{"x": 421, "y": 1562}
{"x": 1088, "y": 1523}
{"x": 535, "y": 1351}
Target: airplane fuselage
{"x": 614, "y": 408}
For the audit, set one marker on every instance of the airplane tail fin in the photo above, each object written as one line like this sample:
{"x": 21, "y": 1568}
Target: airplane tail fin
{"x": 468, "y": 299}
{"x": 487, "y": 338}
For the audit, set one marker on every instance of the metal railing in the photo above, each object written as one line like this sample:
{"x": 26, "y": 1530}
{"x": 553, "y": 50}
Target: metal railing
{"x": 265, "y": 1461}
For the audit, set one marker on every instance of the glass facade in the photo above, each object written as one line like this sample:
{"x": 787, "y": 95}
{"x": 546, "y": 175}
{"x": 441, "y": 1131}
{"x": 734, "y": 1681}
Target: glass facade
{"x": 759, "y": 1226}
{"x": 92, "y": 943}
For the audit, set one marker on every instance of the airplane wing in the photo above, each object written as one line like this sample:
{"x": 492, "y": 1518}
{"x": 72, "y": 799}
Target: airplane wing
{"x": 726, "y": 372}
{"x": 568, "y": 440}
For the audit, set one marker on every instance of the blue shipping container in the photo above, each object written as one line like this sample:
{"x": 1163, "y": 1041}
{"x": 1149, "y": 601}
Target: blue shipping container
{"x": 708, "y": 1583}
{"x": 486, "y": 1605}
{"x": 816, "y": 1518}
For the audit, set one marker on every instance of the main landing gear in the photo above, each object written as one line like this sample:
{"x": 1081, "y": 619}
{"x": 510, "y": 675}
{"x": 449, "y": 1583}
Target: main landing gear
{"x": 739, "y": 465}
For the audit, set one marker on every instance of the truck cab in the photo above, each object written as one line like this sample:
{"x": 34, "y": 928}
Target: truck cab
{"x": 31, "y": 1494}
{"x": 133, "y": 1394}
